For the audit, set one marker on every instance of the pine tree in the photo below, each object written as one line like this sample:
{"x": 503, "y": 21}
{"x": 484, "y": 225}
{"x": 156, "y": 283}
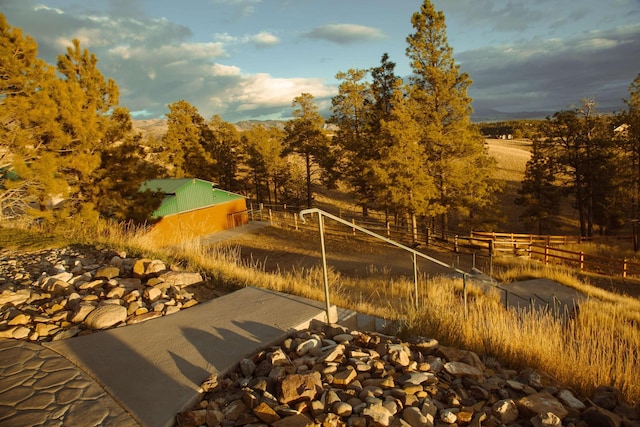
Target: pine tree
{"x": 305, "y": 136}
{"x": 123, "y": 169}
{"x": 353, "y": 115}
{"x": 268, "y": 167}
{"x": 539, "y": 193}
{"x": 183, "y": 146}
{"x": 628, "y": 133}
{"x": 582, "y": 145}
{"x": 454, "y": 151}
{"x": 222, "y": 141}
{"x": 27, "y": 123}
{"x": 408, "y": 188}
{"x": 85, "y": 100}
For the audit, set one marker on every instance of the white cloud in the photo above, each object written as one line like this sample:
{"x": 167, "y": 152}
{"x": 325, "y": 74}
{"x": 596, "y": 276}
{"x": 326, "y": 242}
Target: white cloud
{"x": 224, "y": 70}
{"x": 345, "y": 33}
{"x": 262, "y": 90}
{"x": 40, "y": 7}
{"x": 263, "y": 39}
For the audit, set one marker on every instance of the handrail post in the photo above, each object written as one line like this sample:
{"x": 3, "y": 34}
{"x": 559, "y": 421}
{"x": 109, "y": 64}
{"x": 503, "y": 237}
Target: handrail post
{"x": 464, "y": 291}
{"x": 415, "y": 279}
{"x": 325, "y": 275}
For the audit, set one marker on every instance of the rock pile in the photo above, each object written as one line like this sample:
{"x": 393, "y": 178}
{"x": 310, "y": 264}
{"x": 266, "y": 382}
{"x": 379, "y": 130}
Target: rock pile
{"x": 332, "y": 377}
{"x": 60, "y": 293}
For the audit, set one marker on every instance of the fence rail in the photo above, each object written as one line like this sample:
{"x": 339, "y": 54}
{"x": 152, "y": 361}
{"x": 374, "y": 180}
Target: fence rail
{"x": 585, "y": 262}
{"x": 478, "y": 243}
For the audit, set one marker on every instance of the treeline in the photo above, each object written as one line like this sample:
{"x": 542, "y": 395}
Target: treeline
{"x": 517, "y": 129}
{"x": 591, "y": 158}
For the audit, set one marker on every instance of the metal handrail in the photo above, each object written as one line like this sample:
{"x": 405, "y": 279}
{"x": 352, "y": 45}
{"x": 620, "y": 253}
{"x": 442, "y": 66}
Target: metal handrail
{"x": 414, "y": 253}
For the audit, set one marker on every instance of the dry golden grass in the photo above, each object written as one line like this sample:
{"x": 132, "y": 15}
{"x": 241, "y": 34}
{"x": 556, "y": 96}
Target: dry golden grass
{"x": 511, "y": 157}
{"x": 601, "y": 345}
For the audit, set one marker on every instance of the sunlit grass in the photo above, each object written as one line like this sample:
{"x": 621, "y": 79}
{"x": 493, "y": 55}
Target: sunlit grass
{"x": 599, "y": 346}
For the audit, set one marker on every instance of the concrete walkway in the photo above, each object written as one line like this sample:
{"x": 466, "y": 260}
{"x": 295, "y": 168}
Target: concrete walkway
{"x": 539, "y": 294}
{"x": 143, "y": 374}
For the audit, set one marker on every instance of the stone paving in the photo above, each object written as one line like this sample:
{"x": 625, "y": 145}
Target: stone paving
{"x": 40, "y": 387}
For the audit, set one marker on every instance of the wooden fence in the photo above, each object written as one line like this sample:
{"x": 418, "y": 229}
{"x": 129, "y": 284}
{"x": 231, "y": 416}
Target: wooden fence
{"x": 478, "y": 243}
{"x": 585, "y": 262}
{"x": 519, "y": 244}
{"x": 287, "y": 217}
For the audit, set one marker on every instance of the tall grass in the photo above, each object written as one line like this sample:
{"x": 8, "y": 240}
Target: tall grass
{"x": 599, "y": 346}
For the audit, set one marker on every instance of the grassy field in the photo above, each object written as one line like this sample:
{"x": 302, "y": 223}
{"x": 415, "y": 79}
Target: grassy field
{"x": 599, "y": 346}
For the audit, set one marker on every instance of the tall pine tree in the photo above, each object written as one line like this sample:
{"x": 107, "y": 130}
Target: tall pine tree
{"x": 454, "y": 150}
{"x": 305, "y": 135}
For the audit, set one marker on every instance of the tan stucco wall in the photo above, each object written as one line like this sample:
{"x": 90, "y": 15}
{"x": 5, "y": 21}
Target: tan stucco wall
{"x": 190, "y": 225}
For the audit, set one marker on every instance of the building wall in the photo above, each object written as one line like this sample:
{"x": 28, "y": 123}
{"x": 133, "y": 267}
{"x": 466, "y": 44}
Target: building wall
{"x": 200, "y": 222}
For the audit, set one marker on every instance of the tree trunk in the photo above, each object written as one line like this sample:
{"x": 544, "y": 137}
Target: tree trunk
{"x": 308, "y": 164}
{"x": 580, "y": 206}
{"x": 414, "y": 227}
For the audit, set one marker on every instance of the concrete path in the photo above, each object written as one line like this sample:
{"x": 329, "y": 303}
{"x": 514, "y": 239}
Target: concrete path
{"x": 145, "y": 373}
{"x": 38, "y": 387}
{"x": 545, "y": 294}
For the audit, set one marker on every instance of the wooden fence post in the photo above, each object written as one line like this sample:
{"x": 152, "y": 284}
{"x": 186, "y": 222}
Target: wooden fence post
{"x": 270, "y": 218}
{"x": 624, "y": 268}
{"x": 295, "y": 221}
{"x": 388, "y": 229}
{"x": 581, "y": 261}
{"x": 546, "y": 254}
{"x": 353, "y": 230}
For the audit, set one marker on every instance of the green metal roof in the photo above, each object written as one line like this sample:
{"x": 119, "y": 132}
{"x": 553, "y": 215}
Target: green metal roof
{"x": 186, "y": 194}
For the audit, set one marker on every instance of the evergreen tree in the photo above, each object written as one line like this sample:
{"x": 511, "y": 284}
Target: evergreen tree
{"x": 582, "y": 144}
{"x": 628, "y": 135}
{"x": 85, "y": 100}
{"x": 454, "y": 151}
{"x": 408, "y": 188}
{"x": 183, "y": 146}
{"x": 223, "y": 142}
{"x": 123, "y": 169}
{"x": 268, "y": 167}
{"x": 54, "y": 127}
{"x": 27, "y": 124}
{"x": 306, "y": 137}
{"x": 384, "y": 85}
{"x": 539, "y": 193}
{"x": 352, "y": 113}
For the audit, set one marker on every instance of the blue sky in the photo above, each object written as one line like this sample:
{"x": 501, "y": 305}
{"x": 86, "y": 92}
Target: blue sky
{"x": 248, "y": 59}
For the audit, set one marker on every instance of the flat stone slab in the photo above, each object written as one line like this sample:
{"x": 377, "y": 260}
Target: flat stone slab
{"x": 154, "y": 369}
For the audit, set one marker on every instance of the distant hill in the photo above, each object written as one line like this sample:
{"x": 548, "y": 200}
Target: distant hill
{"x": 484, "y": 114}
{"x": 248, "y": 124}
{"x": 156, "y": 128}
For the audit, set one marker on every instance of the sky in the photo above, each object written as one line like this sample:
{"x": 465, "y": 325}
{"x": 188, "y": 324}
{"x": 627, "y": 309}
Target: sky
{"x": 248, "y": 59}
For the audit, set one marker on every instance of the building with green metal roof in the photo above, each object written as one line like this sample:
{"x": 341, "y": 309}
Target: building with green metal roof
{"x": 193, "y": 207}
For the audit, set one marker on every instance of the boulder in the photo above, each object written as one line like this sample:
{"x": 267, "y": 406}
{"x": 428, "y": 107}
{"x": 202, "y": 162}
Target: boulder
{"x": 106, "y": 316}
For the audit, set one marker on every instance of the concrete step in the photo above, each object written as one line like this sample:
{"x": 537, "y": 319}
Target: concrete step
{"x": 365, "y": 323}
